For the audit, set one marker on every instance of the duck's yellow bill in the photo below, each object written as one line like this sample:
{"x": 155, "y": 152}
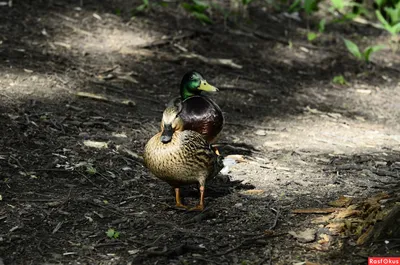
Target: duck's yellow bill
{"x": 207, "y": 87}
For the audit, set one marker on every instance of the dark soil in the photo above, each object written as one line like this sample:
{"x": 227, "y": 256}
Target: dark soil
{"x": 305, "y": 140}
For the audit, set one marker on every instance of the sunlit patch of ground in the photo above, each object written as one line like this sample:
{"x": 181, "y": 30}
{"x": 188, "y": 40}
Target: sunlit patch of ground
{"x": 102, "y": 37}
{"x": 299, "y": 150}
{"x": 20, "y": 85}
{"x": 105, "y": 40}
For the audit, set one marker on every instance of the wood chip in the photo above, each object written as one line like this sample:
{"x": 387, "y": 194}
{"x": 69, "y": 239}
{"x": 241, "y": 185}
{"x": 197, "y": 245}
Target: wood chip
{"x": 364, "y": 91}
{"x": 94, "y": 144}
{"x": 252, "y": 192}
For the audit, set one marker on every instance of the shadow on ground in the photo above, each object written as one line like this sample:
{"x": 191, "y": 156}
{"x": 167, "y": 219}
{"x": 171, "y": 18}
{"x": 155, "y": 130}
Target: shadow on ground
{"x": 60, "y": 197}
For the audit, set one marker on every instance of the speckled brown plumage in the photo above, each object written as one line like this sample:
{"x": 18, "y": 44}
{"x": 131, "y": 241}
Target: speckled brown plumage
{"x": 187, "y": 158}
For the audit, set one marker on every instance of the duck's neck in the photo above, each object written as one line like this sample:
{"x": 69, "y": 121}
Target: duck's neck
{"x": 186, "y": 92}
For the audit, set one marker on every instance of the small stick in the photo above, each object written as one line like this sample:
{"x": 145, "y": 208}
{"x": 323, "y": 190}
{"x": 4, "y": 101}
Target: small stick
{"x": 316, "y": 210}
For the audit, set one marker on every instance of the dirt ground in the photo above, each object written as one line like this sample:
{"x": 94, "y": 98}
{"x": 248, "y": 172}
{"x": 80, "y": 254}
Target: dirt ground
{"x": 305, "y": 141}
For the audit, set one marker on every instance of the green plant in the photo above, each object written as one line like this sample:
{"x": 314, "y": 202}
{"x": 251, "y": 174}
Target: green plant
{"x": 339, "y": 79}
{"x": 91, "y": 170}
{"x": 366, "y": 54}
{"x": 311, "y": 36}
{"x": 343, "y": 7}
{"x": 393, "y": 27}
{"x": 309, "y": 6}
{"x": 321, "y": 25}
{"x": 144, "y": 6}
{"x": 246, "y": 2}
{"x": 321, "y": 28}
{"x": 111, "y": 233}
{"x": 198, "y": 10}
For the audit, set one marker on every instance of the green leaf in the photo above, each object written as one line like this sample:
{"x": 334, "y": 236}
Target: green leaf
{"x": 352, "y": 48}
{"x": 200, "y": 6}
{"x": 370, "y": 50}
{"x": 110, "y": 233}
{"x": 141, "y": 8}
{"x": 350, "y": 16}
{"x": 396, "y": 28}
{"x": 338, "y": 4}
{"x": 321, "y": 25}
{"x": 394, "y": 14}
{"x": 202, "y": 17}
{"x": 91, "y": 170}
{"x": 380, "y": 3}
{"x": 339, "y": 79}
{"x": 187, "y": 6}
{"x": 164, "y": 4}
{"x": 295, "y": 6}
{"x": 310, "y": 6}
{"x": 383, "y": 21}
{"x": 311, "y": 36}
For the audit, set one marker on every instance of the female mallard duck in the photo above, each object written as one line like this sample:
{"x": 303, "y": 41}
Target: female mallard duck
{"x": 182, "y": 158}
{"x": 198, "y": 112}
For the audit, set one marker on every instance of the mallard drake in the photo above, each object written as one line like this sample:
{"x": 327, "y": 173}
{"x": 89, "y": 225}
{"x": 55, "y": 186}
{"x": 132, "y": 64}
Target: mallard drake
{"x": 182, "y": 158}
{"x": 198, "y": 112}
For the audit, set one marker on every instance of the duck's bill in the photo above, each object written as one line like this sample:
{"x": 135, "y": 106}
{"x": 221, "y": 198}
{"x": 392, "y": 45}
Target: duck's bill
{"x": 167, "y": 133}
{"x": 207, "y": 87}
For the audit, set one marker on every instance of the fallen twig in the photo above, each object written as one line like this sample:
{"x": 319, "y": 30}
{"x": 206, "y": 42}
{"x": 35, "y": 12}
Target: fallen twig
{"x": 212, "y": 61}
{"x": 246, "y": 242}
{"x": 277, "y": 213}
{"x": 250, "y": 125}
{"x": 316, "y": 210}
{"x": 105, "y": 99}
{"x": 165, "y": 41}
{"x": 120, "y": 90}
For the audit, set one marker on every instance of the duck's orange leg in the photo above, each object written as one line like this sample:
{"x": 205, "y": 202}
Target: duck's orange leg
{"x": 178, "y": 199}
{"x": 200, "y": 207}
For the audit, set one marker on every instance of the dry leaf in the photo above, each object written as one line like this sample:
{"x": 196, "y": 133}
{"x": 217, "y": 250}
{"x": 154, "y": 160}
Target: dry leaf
{"x": 312, "y": 263}
{"x": 336, "y": 228}
{"x": 324, "y": 239}
{"x": 320, "y": 247}
{"x": 305, "y": 236}
{"x": 347, "y": 212}
{"x": 341, "y": 202}
{"x": 269, "y": 232}
{"x": 322, "y": 219}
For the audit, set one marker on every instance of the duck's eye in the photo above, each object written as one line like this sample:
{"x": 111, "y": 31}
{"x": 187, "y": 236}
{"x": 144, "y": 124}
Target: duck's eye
{"x": 205, "y": 83}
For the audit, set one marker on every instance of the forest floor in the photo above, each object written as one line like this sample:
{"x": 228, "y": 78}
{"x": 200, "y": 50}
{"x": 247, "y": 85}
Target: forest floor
{"x": 82, "y": 89}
